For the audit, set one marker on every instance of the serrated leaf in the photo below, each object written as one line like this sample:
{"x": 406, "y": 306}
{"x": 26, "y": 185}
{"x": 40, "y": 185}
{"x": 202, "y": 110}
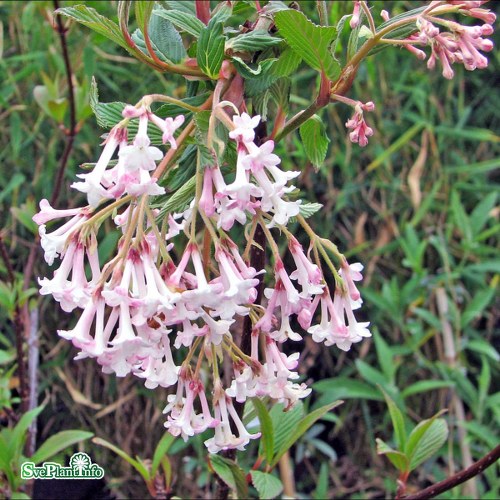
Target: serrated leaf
{"x": 178, "y": 201}
{"x": 166, "y": 39}
{"x": 184, "y": 21}
{"x": 312, "y": 43}
{"x": 309, "y": 209}
{"x": 92, "y": 19}
{"x": 245, "y": 70}
{"x": 221, "y": 13}
{"x": 231, "y": 474}
{"x": 280, "y": 92}
{"x": 187, "y": 6}
{"x": 267, "y": 485}
{"x": 173, "y": 110}
{"x": 108, "y": 114}
{"x": 429, "y": 442}
{"x": 398, "y": 459}
{"x": 266, "y": 429}
{"x": 210, "y": 50}
{"x": 287, "y": 63}
{"x": 284, "y": 422}
{"x": 315, "y": 140}
{"x": 300, "y": 428}
{"x": 255, "y": 40}
{"x": 58, "y": 442}
{"x": 143, "y": 10}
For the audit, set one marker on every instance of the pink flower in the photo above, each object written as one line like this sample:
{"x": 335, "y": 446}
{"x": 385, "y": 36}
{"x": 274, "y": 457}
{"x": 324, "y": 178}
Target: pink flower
{"x": 244, "y": 127}
{"x": 140, "y": 155}
{"x": 360, "y": 130}
{"x": 91, "y": 184}
{"x": 355, "y": 15}
{"x": 48, "y": 213}
{"x": 168, "y": 127}
{"x": 307, "y": 274}
{"x": 224, "y": 439}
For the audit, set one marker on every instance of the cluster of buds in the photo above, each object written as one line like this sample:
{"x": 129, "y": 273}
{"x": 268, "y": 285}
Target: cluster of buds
{"x": 459, "y": 43}
{"x": 169, "y": 317}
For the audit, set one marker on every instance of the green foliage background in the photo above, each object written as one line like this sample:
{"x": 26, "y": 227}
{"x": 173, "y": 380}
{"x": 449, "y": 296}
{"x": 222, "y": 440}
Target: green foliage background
{"x": 418, "y": 207}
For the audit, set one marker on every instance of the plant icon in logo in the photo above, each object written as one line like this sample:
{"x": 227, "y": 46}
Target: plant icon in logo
{"x": 79, "y": 462}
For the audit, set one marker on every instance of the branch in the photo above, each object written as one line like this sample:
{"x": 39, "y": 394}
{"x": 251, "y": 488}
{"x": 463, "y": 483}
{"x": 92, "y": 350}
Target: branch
{"x": 71, "y": 132}
{"x": 458, "y": 478}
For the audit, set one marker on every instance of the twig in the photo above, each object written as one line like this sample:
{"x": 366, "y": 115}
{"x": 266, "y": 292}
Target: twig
{"x": 71, "y": 132}
{"x": 458, "y": 478}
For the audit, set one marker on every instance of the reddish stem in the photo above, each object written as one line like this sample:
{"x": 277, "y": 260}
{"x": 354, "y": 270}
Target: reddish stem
{"x": 203, "y": 10}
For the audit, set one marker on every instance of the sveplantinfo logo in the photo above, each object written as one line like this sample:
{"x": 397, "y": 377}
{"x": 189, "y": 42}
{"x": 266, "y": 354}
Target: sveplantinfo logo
{"x": 80, "y": 467}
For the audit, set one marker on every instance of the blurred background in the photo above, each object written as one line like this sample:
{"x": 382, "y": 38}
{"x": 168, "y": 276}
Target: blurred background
{"x": 418, "y": 207}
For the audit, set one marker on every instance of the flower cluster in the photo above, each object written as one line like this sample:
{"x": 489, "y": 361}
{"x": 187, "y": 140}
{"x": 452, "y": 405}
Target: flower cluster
{"x": 459, "y": 44}
{"x": 162, "y": 316}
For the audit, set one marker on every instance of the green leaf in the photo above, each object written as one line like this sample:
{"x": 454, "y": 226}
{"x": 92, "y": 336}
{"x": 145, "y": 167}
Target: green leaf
{"x": 166, "y": 39}
{"x": 255, "y": 40}
{"x": 426, "y": 385}
{"x": 398, "y": 459}
{"x": 251, "y": 72}
{"x": 482, "y": 212}
{"x": 287, "y": 63}
{"x": 18, "y": 435}
{"x": 160, "y": 451}
{"x": 284, "y": 422}
{"x": 182, "y": 20}
{"x": 462, "y": 222}
{"x": 309, "y": 209}
{"x": 15, "y": 181}
{"x": 303, "y": 426}
{"x": 92, "y": 19}
{"x": 416, "y": 435}
{"x": 398, "y": 421}
{"x": 179, "y": 200}
{"x": 346, "y": 388}
{"x": 477, "y": 305}
{"x": 315, "y": 140}
{"x": 173, "y": 110}
{"x": 428, "y": 442}
{"x": 58, "y": 442}
{"x": 370, "y": 374}
{"x": 385, "y": 357}
{"x": 483, "y": 347}
{"x": 312, "y": 43}
{"x": 231, "y": 474}
{"x": 267, "y": 485}
{"x": 266, "y": 429}
{"x": 321, "y": 490}
{"x": 24, "y": 215}
{"x": 108, "y": 114}
{"x": 136, "y": 464}
{"x": 210, "y": 50}
{"x": 185, "y": 6}
{"x": 143, "y": 10}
